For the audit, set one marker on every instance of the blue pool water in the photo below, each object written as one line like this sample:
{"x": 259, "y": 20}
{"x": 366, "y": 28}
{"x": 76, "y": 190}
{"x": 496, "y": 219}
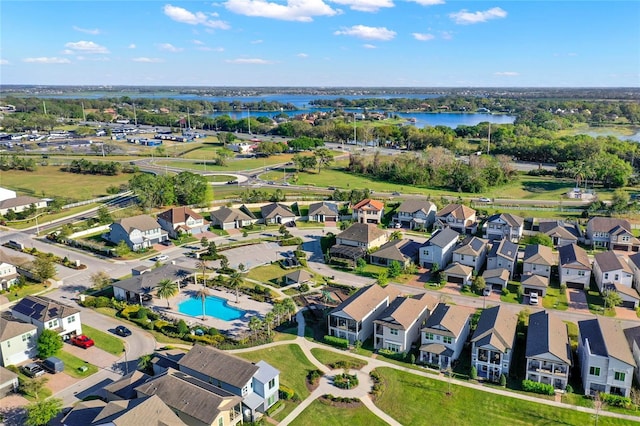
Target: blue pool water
{"x": 214, "y": 307}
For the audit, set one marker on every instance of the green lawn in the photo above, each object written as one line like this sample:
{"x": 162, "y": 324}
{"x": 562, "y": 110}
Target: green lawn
{"x": 555, "y": 299}
{"x": 465, "y": 406}
{"x": 330, "y": 358}
{"x": 239, "y": 164}
{"x": 72, "y": 365}
{"x": 17, "y": 293}
{"x": 266, "y": 273}
{"x": 105, "y": 341}
{"x": 513, "y": 296}
{"x": 321, "y": 413}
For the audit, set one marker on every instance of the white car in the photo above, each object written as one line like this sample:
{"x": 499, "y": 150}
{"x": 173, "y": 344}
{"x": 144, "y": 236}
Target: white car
{"x": 161, "y": 258}
{"x": 533, "y": 298}
{"x": 484, "y": 200}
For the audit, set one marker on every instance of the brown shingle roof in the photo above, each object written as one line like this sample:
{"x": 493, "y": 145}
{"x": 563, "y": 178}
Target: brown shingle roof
{"x": 219, "y": 365}
{"x": 472, "y": 246}
{"x": 365, "y": 300}
{"x": 362, "y": 233}
{"x": 508, "y": 218}
{"x": 451, "y": 317}
{"x": 459, "y": 211}
{"x": 13, "y": 328}
{"x": 274, "y": 209}
{"x": 496, "y": 327}
{"x": 179, "y": 215}
{"x": 137, "y": 412}
{"x": 606, "y": 338}
{"x": 226, "y": 214}
{"x": 606, "y": 224}
{"x": 141, "y": 222}
{"x": 458, "y": 269}
{"x": 533, "y": 280}
{"x": 609, "y": 261}
{"x": 538, "y": 254}
{"x": 548, "y": 334}
{"x": 404, "y": 311}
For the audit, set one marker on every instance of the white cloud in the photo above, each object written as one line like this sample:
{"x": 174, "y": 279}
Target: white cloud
{"x": 257, "y": 61}
{"x": 365, "y": 5}
{"x": 423, "y": 36}
{"x": 86, "y": 47}
{"x": 132, "y": 46}
{"x": 4, "y": 62}
{"x": 428, "y": 2}
{"x": 93, "y": 31}
{"x": 465, "y": 17}
{"x": 294, "y": 10}
{"x": 369, "y": 46}
{"x": 147, "y": 60}
{"x": 257, "y": 41}
{"x": 169, "y": 47}
{"x": 302, "y": 55}
{"x": 507, "y": 73}
{"x": 93, "y": 58}
{"x": 184, "y": 16}
{"x": 368, "y": 33}
{"x": 198, "y": 42}
{"x": 45, "y": 60}
{"x": 68, "y": 52}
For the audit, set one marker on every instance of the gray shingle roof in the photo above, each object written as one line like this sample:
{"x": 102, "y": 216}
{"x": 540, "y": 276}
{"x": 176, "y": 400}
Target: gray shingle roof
{"x": 413, "y": 206}
{"x": 226, "y": 214}
{"x": 43, "y": 309}
{"x": 533, "y": 280}
{"x": 510, "y": 219}
{"x": 573, "y": 256}
{"x": 609, "y": 261}
{"x": 150, "y": 410}
{"x": 504, "y": 248}
{"x": 399, "y": 250}
{"x": 324, "y": 207}
{"x": 10, "y": 328}
{"x": 496, "y": 327}
{"x": 22, "y": 200}
{"x": 606, "y": 338}
{"x": 141, "y": 222}
{"x": 538, "y": 254}
{"x": 606, "y": 224}
{"x": 451, "y": 317}
{"x": 149, "y": 280}
{"x": 548, "y": 334}
{"x": 472, "y": 246}
{"x": 219, "y": 365}
{"x": 276, "y": 209}
{"x": 404, "y": 311}
{"x": 442, "y": 238}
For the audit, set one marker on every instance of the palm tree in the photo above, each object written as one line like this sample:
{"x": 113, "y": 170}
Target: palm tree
{"x": 167, "y": 289}
{"x": 235, "y": 281}
{"x": 255, "y": 324}
{"x": 268, "y": 322}
{"x": 203, "y": 265}
{"x": 202, "y": 294}
{"x": 290, "y": 307}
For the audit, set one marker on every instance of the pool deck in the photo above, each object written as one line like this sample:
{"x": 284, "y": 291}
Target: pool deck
{"x": 235, "y": 328}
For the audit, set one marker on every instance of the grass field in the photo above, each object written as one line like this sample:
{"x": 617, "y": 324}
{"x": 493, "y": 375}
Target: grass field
{"x": 329, "y": 358}
{"x": 266, "y": 273}
{"x": 321, "y": 413}
{"x": 72, "y": 365}
{"x": 465, "y": 406}
{"x": 105, "y": 341}
{"x": 49, "y": 181}
{"x": 240, "y": 165}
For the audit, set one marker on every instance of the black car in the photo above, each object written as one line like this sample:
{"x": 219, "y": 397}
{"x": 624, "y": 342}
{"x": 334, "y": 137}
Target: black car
{"x": 33, "y": 369}
{"x": 123, "y": 331}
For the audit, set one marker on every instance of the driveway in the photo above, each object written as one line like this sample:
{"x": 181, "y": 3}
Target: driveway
{"x": 92, "y": 355}
{"x": 578, "y": 301}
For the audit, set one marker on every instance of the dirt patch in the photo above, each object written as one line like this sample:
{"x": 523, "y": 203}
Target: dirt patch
{"x": 340, "y": 402}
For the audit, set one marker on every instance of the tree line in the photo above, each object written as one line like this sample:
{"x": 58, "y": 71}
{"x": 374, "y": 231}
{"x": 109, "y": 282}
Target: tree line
{"x": 110, "y": 168}
{"x": 183, "y": 189}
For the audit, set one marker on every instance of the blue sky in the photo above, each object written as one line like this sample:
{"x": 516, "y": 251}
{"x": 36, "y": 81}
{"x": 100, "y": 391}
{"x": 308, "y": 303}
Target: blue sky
{"x": 423, "y": 43}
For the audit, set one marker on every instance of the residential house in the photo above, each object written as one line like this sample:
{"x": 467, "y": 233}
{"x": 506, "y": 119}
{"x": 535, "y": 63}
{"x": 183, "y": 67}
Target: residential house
{"x": 503, "y": 255}
{"x": 633, "y": 338}
{"x": 471, "y": 252}
{"x": 458, "y": 273}
{"x": 634, "y": 264}
{"x": 8, "y": 272}
{"x": 444, "y": 335}
{"x": 438, "y": 250}
{"x": 125, "y": 388}
{"x": 182, "y": 220}
{"x": 44, "y": 313}
{"x": 354, "y": 242}
{"x": 299, "y": 276}
{"x": 353, "y": 319}
{"x": 548, "y": 351}
{"x": 496, "y": 278}
{"x": 138, "y": 411}
{"x": 257, "y": 384}
{"x": 606, "y": 363}
{"x": 574, "y": 266}
{"x": 232, "y": 218}
{"x": 368, "y": 211}
{"x": 415, "y": 214}
{"x": 398, "y": 327}
{"x": 324, "y": 211}
{"x": 137, "y": 232}
{"x": 18, "y": 341}
{"x": 9, "y": 382}
{"x": 458, "y": 217}
{"x": 404, "y": 252}
{"x": 503, "y": 226}
{"x": 140, "y": 288}
{"x": 492, "y": 342}
{"x": 277, "y": 214}
{"x": 538, "y": 260}
{"x": 532, "y": 283}
{"x": 20, "y": 204}
{"x": 612, "y": 233}
{"x": 612, "y": 272}
{"x": 560, "y": 232}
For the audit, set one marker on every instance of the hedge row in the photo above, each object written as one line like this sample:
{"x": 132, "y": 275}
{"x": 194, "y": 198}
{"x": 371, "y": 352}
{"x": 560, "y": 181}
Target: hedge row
{"x": 337, "y": 342}
{"x": 535, "y": 387}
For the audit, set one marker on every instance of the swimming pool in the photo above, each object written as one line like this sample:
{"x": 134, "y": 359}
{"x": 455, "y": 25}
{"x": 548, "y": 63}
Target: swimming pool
{"x": 214, "y": 307}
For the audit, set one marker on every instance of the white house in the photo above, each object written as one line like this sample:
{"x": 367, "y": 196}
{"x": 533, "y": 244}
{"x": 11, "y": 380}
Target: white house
{"x": 8, "y": 272}
{"x": 472, "y": 252}
{"x": 503, "y": 255}
{"x": 606, "y": 362}
{"x": 612, "y": 272}
{"x": 18, "y": 341}
{"x": 634, "y": 264}
{"x": 612, "y": 233}
{"x": 538, "y": 260}
{"x": 353, "y": 319}
{"x": 574, "y": 266}
{"x": 503, "y": 226}
{"x": 492, "y": 343}
{"x": 398, "y": 327}
{"x": 137, "y": 232}
{"x": 444, "y": 335}
{"x": 415, "y": 214}
{"x": 458, "y": 217}
{"x": 548, "y": 351}
{"x": 438, "y": 249}
{"x": 44, "y": 313}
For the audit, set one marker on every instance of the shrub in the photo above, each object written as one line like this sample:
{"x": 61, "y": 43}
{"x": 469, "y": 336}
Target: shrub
{"x": 616, "y": 400}
{"x": 535, "y": 387}
{"x": 505, "y": 291}
{"x": 275, "y": 407}
{"x": 337, "y": 342}
{"x": 182, "y": 326}
{"x": 141, "y": 313}
{"x": 503, "y": 380}
{"x": 313, "y": 376}
{"x": 286, "y": 393}
{"x": 569, "y": 389}
{"x": 563, "y": 288}
{"x": 345, "y": 381}
{"x": 473, "y": 375}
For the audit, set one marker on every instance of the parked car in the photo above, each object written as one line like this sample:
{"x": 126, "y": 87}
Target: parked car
{"x": 123, "y": 331}
{"x": 166, "y": 243}
{"x": 484, "y": 200}
{"x": 160, "y": 258}
{"x": 486, "y": 291}
{"x": 82, "y": 341}
{"x": 533, "y": 298}
{"x": 231, "y": 182}
{"x": 53, "y": 365}
{"x": 396, "y": 193}
{"x": 33, "y": 369}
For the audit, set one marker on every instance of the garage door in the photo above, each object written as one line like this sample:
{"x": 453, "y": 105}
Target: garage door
{"x": 627, "y": 304}
{"x": 456, "y": 280}
{"x": 532, "y": 290}
{"x": 575, "y": 285}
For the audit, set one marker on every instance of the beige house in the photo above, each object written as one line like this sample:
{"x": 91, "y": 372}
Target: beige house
{"x": 548, "y": 351}
{"x": 538, "y": 260}
{"x": 18, "y": 341}
{"x": 354, "y": 242}
{"x": 459, "y": 274}
{"x": 368, "y": 211}
{"x": 231, "y": 218}
{"x": 574, "y": 266}
{"x": 182, "y": 220}
{"x": 444, "y": 335}
{"x": 492, "y": 343}
{"x": 458, "y": 217}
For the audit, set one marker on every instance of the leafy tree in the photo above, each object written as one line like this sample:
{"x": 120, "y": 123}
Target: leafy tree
{"x": 144, "y": 362}
{"x": 182, "y": 327}
{"x": 395, "y": 269}
{"x": 49, "y": 343}
{"x": 167, "y": 289}
{"x": 204, "y": 241}
{"x": 323, "y": 157}
{"x": 104, "y": 216}
{"x": 190, "y": 188}
{"x": 383, "y": 278}
{"x": 620, "y": 201}
{"x": 223, "y": 155}
{"x": 43, "y": 268}
{"x": 100, "y": 280}
{"x": 40, "y": 413}
{"x": 201, "y": 293}
{"x": 479, "y": 283}
{"x": 122, "y": 249}
{"x": 612, "y": 299}
{"x": 255, "y": 324}
{"x": 33, "y": 386}
{"x": 360, "y": 265}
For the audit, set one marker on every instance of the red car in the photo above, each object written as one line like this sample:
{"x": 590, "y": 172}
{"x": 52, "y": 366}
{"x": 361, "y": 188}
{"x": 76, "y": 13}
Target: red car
{"x": 82, "y": 341}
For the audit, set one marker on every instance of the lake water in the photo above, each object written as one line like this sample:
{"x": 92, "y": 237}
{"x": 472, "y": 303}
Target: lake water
{"x": 214, "y": 307}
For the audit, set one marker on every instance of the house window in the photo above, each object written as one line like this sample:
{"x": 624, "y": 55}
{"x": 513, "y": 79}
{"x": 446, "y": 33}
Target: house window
{"x": 462, "y": 257}
{"x": 426, "y": 252}
{"x": 617, "y": 277}
{"x": 245, "y": 390}
{"x": 581, "y": 273}
{"x": 594, "y": 371}
{"x": 272, "y": 383}
{"x": 393, "y": 332}
{"x": 533, "y": 267}
{"x": 447, "y": 339}
{"x": 619, "y": 376}
{"x": 271, "y": 400}
{"x": 393, "y": 347}
{"x": 71, "y": 319}
{"x": 606, "y": 275}
{"x": 428, "y": 336}
{"x": 221, "y": 421}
